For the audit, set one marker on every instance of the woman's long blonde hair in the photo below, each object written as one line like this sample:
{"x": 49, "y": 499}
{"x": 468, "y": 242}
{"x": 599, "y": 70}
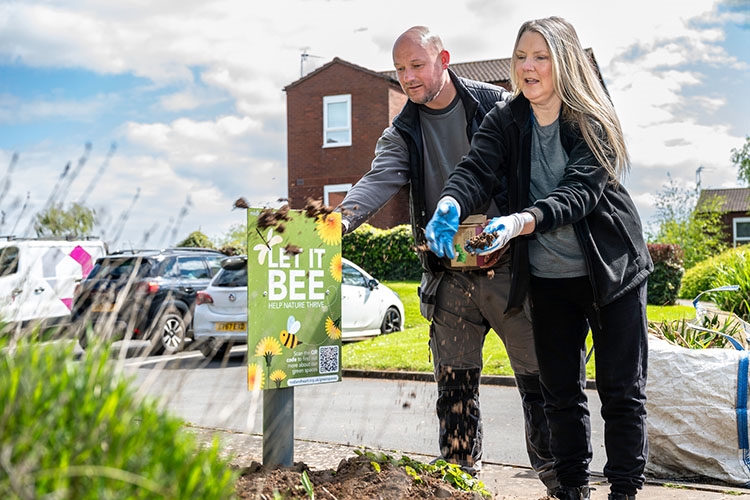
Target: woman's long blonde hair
{"x": 585, "y": 101}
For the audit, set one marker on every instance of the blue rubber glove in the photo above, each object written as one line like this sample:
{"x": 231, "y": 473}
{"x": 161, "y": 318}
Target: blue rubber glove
{"x": 503, "y": 230}
{"x": 442, "y": 228}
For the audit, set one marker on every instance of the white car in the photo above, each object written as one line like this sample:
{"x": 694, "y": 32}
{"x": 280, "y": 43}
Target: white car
{"x": 368, "y": 308}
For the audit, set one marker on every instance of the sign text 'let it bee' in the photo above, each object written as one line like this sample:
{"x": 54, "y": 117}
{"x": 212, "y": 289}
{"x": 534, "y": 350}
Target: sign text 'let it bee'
{"x": 289, "y": 280}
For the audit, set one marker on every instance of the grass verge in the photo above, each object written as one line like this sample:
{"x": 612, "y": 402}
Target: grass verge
{"x": 407, "y": 350}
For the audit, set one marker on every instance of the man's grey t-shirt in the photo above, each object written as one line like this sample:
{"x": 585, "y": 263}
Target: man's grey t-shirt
{"x": 445, "y": 143}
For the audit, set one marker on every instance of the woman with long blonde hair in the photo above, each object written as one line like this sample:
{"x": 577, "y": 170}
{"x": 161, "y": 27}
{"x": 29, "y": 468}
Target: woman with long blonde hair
{"x": 577, "y": 247}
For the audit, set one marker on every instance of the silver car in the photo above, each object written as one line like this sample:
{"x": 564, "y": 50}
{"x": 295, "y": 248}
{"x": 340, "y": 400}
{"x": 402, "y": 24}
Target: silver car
{"x": 368, "y": 308}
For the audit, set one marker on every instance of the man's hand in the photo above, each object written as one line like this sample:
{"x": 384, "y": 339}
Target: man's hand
{"x": 501, "y": 230}
{"x": 442, "y": 228}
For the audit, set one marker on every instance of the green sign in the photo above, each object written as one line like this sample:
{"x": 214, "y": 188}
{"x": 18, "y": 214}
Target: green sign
{"x": 294, "y": 298}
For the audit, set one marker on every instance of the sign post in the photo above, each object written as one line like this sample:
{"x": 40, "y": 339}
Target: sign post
{"x": 294, "y": 314}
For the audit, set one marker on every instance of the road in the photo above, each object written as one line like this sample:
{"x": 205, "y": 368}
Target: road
{"x": 377, "y": 413}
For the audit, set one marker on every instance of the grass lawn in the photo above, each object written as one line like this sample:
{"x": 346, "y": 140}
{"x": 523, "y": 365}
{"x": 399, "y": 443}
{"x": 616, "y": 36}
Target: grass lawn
{"x": 408, "y": 351}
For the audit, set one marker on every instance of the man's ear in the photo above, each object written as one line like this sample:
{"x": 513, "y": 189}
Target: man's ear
{"x": 445, "y": 58}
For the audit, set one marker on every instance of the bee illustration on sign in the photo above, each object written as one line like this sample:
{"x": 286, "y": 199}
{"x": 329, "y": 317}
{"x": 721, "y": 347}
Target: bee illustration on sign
{"x": 288, "y": 337}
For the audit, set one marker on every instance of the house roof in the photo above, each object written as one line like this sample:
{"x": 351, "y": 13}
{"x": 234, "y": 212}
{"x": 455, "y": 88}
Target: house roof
{"x": 338, "y": 60}
{"x": 732, "y": 199}
{"x": 493, "y": 71}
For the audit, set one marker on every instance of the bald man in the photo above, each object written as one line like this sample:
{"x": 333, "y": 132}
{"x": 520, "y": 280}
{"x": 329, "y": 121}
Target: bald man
{"x": 422, "y": 146}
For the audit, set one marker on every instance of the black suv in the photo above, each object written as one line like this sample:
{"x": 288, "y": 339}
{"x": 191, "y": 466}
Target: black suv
{"x": 144, "y": 295}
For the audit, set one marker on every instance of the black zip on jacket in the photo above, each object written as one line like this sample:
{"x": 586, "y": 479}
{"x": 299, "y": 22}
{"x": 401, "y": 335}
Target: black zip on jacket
{"x": 478, "y": 98}
{"x": 602, "y": 213}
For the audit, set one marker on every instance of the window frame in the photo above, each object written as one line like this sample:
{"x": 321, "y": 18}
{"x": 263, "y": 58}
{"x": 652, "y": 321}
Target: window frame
{"x": 9, "y": 259}
{"x": 190, "y": 267}
{"x": 348, "y": 273}
{"x": 739, "y": 240}
{"x": 337, "y": 99}
{"x": 334, "y": 188}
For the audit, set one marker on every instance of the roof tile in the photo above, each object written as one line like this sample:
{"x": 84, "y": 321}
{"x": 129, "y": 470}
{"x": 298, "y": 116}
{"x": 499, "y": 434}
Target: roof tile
{"x": 733, "y": 199}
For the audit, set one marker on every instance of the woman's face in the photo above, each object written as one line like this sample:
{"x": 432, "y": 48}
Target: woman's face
{"x": 533, "y": 67}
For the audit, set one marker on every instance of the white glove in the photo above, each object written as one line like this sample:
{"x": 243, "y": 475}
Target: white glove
{"x": 503, "y": 229}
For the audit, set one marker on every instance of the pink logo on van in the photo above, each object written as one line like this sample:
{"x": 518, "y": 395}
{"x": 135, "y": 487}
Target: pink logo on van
{"x": 83, "y": 258}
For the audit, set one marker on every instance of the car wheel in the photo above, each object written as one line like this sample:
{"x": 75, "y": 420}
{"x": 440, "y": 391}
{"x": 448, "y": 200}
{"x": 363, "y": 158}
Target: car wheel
{"x": 77, "y": 330}
{"x": 83, "y": 339}
{"x": 169, "y": 335}
{"x": 391, "y": 321}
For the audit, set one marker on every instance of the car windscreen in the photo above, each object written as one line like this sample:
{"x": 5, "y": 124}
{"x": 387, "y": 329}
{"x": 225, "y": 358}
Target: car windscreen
{"x": 231, "y": 278}
{"x": 119, "y": 269}
{"x": 8, "y": 260}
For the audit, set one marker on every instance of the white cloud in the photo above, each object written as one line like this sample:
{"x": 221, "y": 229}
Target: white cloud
{"x": 184, "y": 137}
{"x": 14, "y": 110}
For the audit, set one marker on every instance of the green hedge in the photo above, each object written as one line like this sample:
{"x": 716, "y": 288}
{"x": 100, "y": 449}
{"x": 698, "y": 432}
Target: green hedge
{"x": 664, "y": 282}
{"x": 74, "y": 429}
{"x": 731, "y": 267}
{"x": 387, "y": 254}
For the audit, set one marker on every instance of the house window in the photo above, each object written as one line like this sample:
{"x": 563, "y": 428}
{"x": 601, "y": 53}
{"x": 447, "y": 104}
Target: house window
{"x": 333, "y": 194}
{"x": 741, "y": 230}
{"x": 337, "y": 121}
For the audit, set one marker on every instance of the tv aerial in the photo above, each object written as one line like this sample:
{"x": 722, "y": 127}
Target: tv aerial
{"x": 303, "y": 57}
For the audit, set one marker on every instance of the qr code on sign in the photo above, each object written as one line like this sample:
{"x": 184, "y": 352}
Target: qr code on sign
{"x": 328, "y": 359}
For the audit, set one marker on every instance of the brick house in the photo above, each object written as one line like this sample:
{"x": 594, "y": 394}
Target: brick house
{"x": 734, "y": 203}
{"x": 336, "y": 114}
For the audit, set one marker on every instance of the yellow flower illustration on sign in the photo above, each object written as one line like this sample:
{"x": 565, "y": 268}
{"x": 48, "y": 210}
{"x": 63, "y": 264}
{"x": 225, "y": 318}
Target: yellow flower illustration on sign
{"x": 335, "y": 267}
{"x": 328, "y": 227}
{"x": 255, "y": 380}
{"x": 278, "y": 376}
{"x": 268, "y": 347}
{"x": 332, "y": 328}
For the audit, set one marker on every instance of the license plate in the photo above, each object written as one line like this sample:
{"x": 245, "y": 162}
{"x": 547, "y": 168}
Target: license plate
{"x": 103, "y": 307}
{"x": 231, "y": 327}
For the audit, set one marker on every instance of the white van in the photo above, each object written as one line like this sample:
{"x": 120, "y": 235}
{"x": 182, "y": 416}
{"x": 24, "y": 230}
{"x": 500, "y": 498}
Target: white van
{"x": 38, "y": 277}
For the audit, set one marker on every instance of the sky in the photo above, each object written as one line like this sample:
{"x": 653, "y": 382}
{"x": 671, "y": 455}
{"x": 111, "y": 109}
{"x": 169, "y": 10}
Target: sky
{"x": 159, "y": 114}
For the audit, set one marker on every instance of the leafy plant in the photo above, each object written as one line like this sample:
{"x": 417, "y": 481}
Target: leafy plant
{"x": 307, "y": 485}
{"x": 74, "y": 428}
{"x": 76, "y": 221}
{"x": 686, "y": 219}
{"x": 715, "y": 331}
{"x": 664, "y": 282}
{"x": 196, "y": 239}
{"x": 450, "y": 473}
{"x": 741, "y": 159}
{"x": 731, "y": 267}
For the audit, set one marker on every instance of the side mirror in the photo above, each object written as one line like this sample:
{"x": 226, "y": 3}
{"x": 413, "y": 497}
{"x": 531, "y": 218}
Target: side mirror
{"x": 372, "y": 284}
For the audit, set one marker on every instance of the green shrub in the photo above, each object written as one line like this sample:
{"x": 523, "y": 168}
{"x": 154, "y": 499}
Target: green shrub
{"x": 731, "y": 267}
{"x": 74, "y": 429}
{"x": 735, "y": 271}
{"x": 387, "y": 254}
{"x": 680, "y": 332}
{"x": 664, "y": 282}
{"x": 698, "y": 278}
{"x": 196, "y": 239}
{"x": 705, "y": 275}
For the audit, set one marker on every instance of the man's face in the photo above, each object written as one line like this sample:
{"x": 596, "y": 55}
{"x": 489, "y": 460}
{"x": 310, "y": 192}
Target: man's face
{"x": 420, "y": 70}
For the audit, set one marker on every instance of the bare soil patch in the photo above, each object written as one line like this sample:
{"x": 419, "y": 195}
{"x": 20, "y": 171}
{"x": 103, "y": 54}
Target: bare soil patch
{"x": 355, "y": 478}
